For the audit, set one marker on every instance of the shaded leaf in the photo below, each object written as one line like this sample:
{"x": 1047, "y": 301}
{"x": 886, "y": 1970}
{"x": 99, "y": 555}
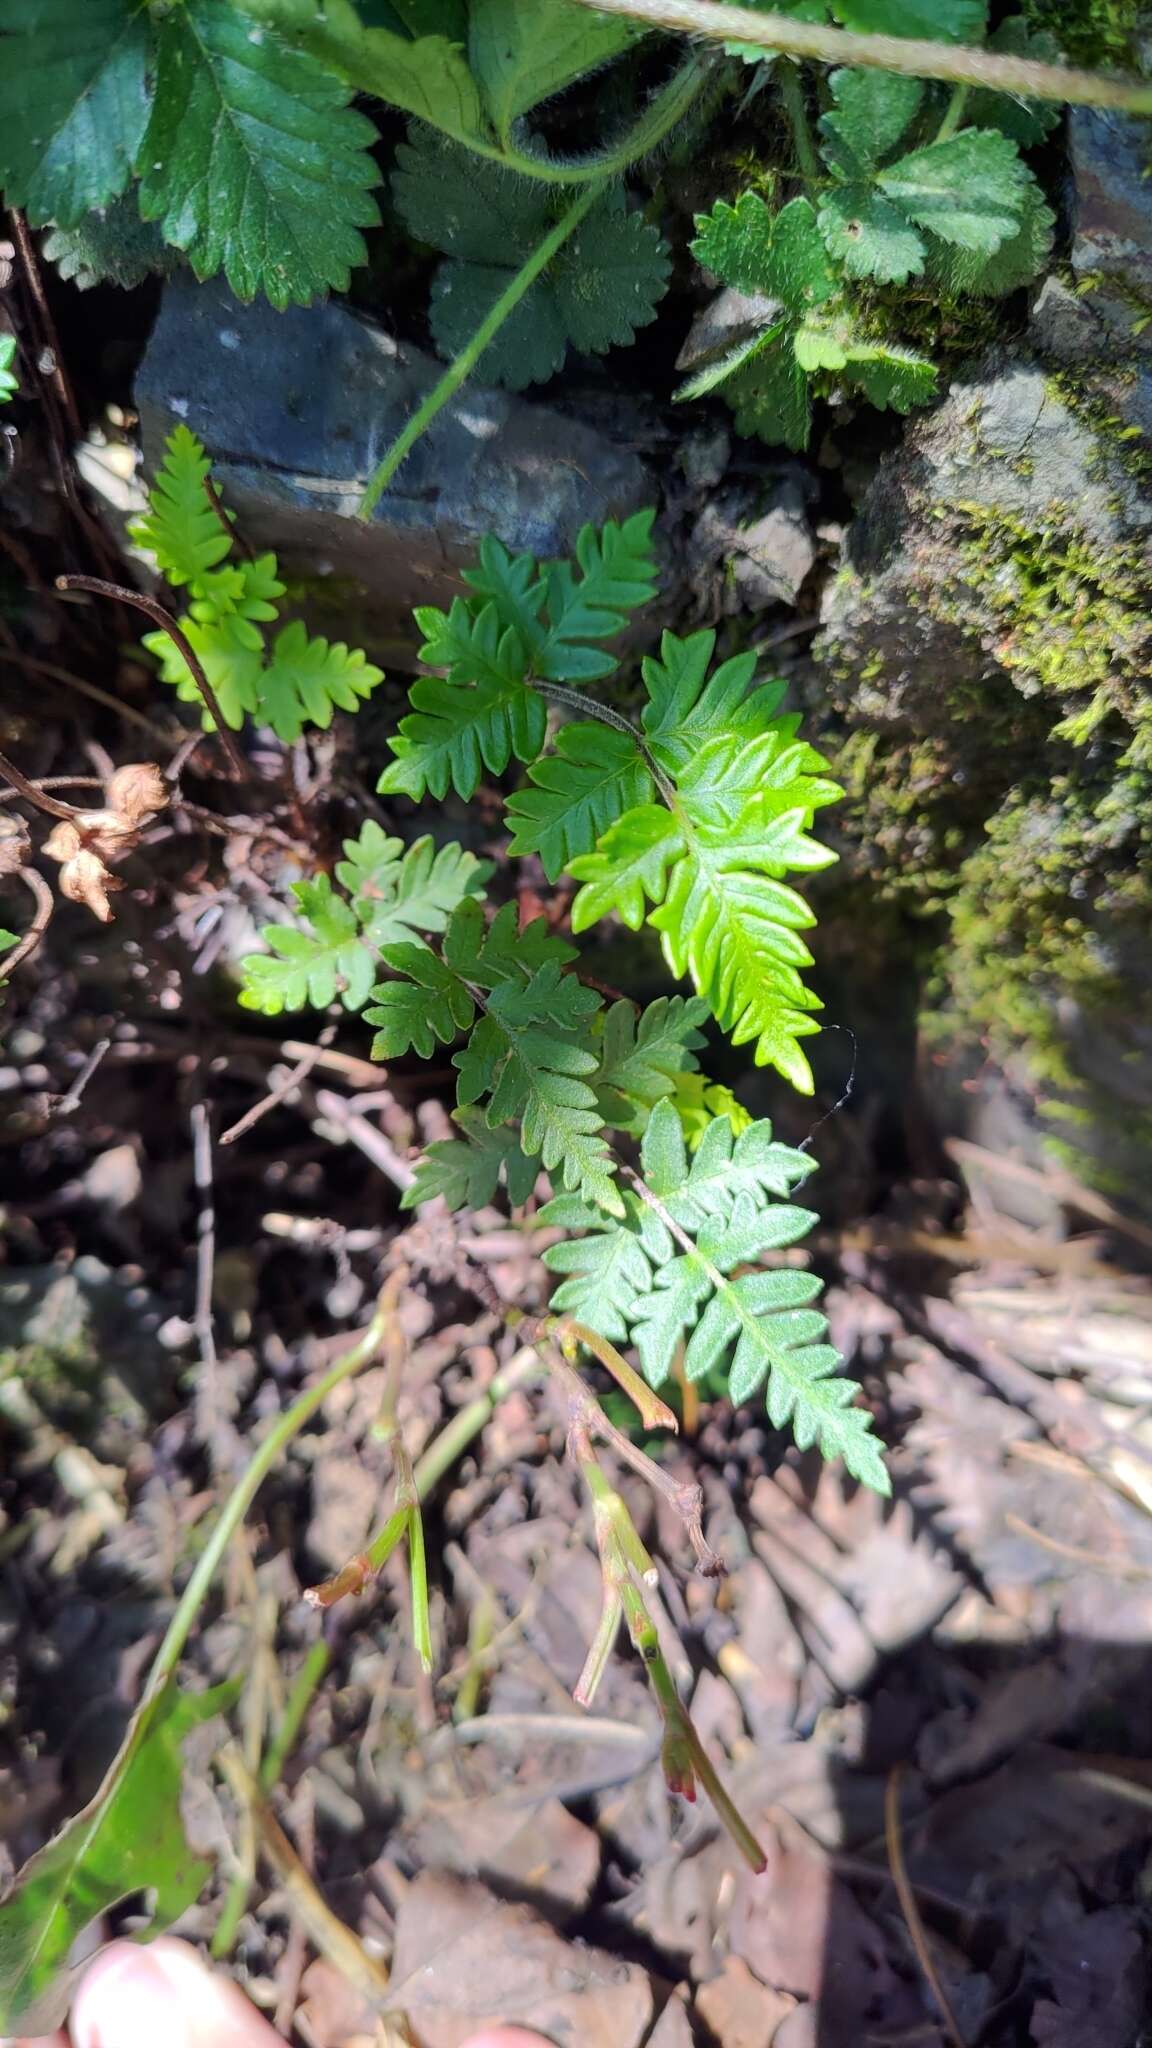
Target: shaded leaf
{"x": 74, "y": 103}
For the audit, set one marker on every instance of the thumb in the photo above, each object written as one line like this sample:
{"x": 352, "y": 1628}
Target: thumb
{"x": 162, "y": 1996}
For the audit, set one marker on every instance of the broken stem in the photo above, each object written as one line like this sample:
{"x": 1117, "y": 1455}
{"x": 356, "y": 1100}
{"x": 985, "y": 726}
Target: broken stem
{"x": 155, "y": 611}
{"x": 45, "y": 904}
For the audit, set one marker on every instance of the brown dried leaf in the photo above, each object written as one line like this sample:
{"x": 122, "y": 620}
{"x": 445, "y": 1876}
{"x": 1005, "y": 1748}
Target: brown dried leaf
{"x": 137, "y": 791}
{"x": 464, "y": 1960}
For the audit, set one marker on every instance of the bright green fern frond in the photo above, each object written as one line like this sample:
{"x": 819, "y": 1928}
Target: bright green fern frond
{"x": 663, "y": 1276}
{"x": 397, "y": 893}
{"x": 475, "y": 718}
{"x": 312, "y": 963}
{"x": 181, "y": 527}
{"x": 308, "y": 679}
{"x": 223, "y": 624}
{"x": 687, "y": 706}
{"x": 643, "y": 1057}
{"x": 595, "y": 775}
{"x": 556, "y": 608}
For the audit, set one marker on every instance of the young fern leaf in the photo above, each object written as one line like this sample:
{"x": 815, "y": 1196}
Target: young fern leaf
{"x": 181, "y": 528}
{"x": 642, "y": 1058}
{"x": 394, "y": 895}
{"x": 592, "y": 778}
{"x": 665, "y": 1271}
{"x": 530, "y": 1052}
{"x": 304, "y": 681}
{"x": 710, "y": 862}
{"x": 466, "y": 1172}
{"x": 524, "y": 622}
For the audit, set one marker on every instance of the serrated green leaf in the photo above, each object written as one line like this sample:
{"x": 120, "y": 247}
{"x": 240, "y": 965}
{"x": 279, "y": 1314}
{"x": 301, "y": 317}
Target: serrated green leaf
{"x": 595, "y": 774}
{"x": 312, "y": 965}
{"x": 873, "y": 110}
{"x": 253, "y": 161}
{"x": 224, "y": 624}
{"x": 608, "y": 1271}
{"x": 524, "y": 51}
{"x": 129, "y": 1839}
{"x": 466, "y": 1172}
{"x": 432, "y": 1006}
{"x": 629, "y": 864}
{"x": 397, "y": 893}
{"x": 687, "y": 706}
{"x": 969, "y": 189}
{"x": 1026, "y": 121}
{"x": 818, "y": 347}
{"x": 769, "y": 393}
{"x": 307, "y": 679}
{"x": 535, "y": 1073}
{"x": 502, "y": 952}
{"x": 868, "y": 236}
{"x": 74, "y": 103}
{"x": 779, "y": 253}
{"x": 891, "y": 377}
{"x": 1015, "y": 263}
{"x": 181, "y": 528}
{"x": 478, "y": 717}
{"x": 111, "y": 246}
{"x": 421, "y": 71}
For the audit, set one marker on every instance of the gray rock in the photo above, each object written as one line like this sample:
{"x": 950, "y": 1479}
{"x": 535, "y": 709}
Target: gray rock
{"x": 1112, "y": 217}
{"x": 729, "y": 318}
{"x": 297, "y": 408}
{"x": 753, "y": 548}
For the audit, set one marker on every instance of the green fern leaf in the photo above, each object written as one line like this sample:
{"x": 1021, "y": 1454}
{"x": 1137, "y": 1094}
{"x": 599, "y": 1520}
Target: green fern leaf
{"x": 310, "y": 966}
{"x": 181, "y": 528}
{"x": 477, "y": 717}
{"x": 536, "y": 1074}
{"x": 609, "y": 1270}
{"x": 687, "y": 707}
{"x": 727, "y": 1170}
{"x": 466, "y": 1172}
{"x": 503, "y": 952}
{"x": 223, "y": 625}
{"x": 642, "y": 1058}
{"x": 430, "y": 1006}
{"x": 9, "y": 382}
{"x": 629, "y": 865}
{"x": 308, "y": 679}
{"x": 396, "y": 894}
{"x": 554, "y": 610}
{"x": 255, "y": 164}
{"x": 594, "y": 776}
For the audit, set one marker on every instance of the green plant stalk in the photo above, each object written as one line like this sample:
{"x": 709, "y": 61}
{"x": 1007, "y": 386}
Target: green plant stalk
{"x": 304, "y": 1686}
{"x": 244, "y": 1493}
{"x": 462, "y": 366}
{"x": 666, "y": 108}
{"x": 953, "y": 113}
{"x": 913, "y": 56}
{"x": 792, "y": 95}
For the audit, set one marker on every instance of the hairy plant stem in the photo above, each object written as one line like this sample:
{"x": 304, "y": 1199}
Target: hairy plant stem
{"x": 588, "y": 707}
{"x": 665, "y": 109}
{"x": 953, "y": 113}
{"x": 462, "y": 366}
{"x": 792, "y": 96}
{"x": 915, "y": 57}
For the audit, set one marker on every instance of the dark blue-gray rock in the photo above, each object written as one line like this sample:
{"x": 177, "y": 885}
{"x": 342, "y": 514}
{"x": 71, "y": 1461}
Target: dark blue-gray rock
{"x": 1112, "y": 218}
{"x": 297, "y": 408}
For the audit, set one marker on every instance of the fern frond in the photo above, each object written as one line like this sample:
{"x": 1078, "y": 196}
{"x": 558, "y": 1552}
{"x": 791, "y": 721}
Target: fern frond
{"x": 308, "y": 679}
{"x": 312, "y": 964}
{"x": 663, "y": 1274}
{"x": 476, "y": 717}
{"x": 617, "y": 576}
{"x": 642, "y": 1057}
{"x": 466, "y": 1172}
{"x": 181, "y": 528}
{"x": 431, "y": 1006}
{"x": 595, "y": 774}
{"x": 397, "y": 893}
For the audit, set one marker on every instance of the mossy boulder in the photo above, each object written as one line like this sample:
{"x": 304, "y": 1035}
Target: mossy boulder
{"x": 987, "y": 648}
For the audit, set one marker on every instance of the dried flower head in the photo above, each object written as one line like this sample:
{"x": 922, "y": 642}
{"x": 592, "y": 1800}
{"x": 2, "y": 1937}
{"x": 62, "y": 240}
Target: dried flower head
{"x": 15, "y": 845}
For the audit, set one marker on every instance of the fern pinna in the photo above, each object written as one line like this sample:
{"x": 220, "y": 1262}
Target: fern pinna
{"x": 688, "y": 820}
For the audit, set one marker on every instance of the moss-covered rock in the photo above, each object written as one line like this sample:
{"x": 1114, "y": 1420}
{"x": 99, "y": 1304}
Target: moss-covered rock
{"x": 988, "y": 647}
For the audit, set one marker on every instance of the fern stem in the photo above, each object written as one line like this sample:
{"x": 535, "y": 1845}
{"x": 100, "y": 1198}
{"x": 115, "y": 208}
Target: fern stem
{"x": 463, "y": 365}
{"x": 953, "y": 113}
{"x": 792, "y": 96}
{"x": 914, "y": 57}
{"x": 665, "y": 109}
{"x": 587, "y": 707}
{"x": 167, "y": 624}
